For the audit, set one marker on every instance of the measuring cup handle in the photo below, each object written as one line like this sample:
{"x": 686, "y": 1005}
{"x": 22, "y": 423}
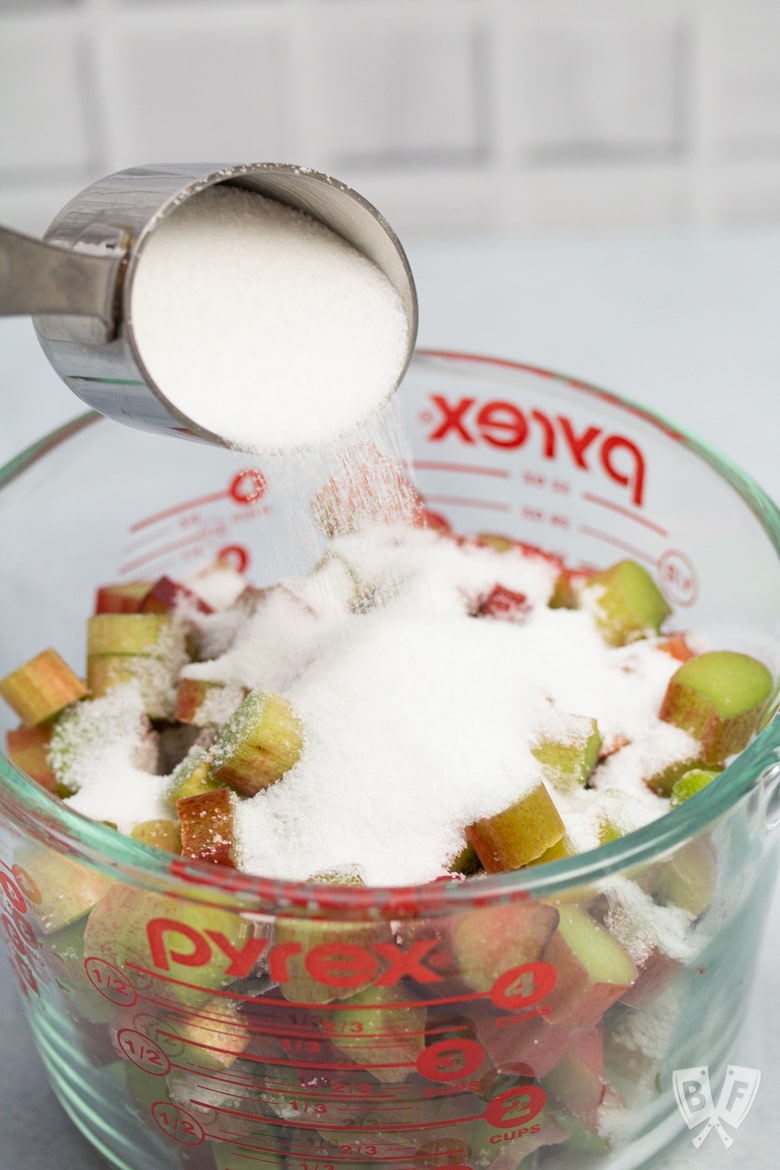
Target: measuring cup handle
{"x": 40, "y": 279}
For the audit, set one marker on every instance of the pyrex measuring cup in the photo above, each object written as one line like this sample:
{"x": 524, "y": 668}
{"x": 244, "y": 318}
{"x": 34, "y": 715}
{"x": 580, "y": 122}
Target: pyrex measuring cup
{"x": 79, "y": 283}
{"x": 191, "y": 1017}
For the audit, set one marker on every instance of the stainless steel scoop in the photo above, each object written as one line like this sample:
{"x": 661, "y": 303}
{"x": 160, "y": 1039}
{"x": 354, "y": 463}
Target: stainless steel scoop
{"x": 77, "y": 284}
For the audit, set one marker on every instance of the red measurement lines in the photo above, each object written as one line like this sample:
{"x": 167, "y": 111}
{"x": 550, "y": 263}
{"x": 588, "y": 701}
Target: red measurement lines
{"x": 611, "y": 538}
{"x": 165, "y": 550}
{"x": 631, "y": 515}
{"x": 465, "y": 502}
{"x": 465, "y": 468}
{"x": 215, "y": 993}
{"x": 637, "y": 553}
{"x": 296, "y": 1124}
{"x": 175, "y": 509}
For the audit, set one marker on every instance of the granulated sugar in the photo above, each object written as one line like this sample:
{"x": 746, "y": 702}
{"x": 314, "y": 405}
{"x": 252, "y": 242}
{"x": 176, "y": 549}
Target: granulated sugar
{"x": 418, "y": 719}
{"x": 262, "y": 325}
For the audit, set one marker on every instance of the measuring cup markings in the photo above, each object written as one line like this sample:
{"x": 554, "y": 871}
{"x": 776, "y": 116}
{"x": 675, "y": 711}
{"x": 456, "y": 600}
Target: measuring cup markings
{"x": 177, "y": 1124}
{"x": 143, "y": 1052}
{"x": 245, "y": 490}
{"x": 215, "y": 530}
{"x": 628, "y": 513}
{"x": 19, "y": 894}
{"x": 110, "y": 981}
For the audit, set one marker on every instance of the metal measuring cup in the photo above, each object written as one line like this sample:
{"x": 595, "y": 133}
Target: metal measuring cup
{"x": 77, "y": 284}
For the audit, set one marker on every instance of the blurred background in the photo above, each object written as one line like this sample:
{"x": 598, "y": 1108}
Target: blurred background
{"x": 477, "y": 116}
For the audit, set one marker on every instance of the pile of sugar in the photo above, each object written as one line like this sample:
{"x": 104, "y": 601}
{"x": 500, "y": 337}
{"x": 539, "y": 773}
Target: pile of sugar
{"x": 261, "y": 324}
{"x": 418, "y": 718}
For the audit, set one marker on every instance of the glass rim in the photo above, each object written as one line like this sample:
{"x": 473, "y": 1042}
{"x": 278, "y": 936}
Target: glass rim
{"x": 48, "y": 819}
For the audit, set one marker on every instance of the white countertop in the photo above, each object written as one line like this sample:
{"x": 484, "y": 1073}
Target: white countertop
{"x": 689, "y": 327}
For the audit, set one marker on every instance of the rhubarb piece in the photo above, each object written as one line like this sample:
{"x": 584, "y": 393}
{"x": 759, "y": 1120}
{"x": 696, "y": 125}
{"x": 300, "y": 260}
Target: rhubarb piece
{"x": 719, "y": 697}
{"x": 85, "y": 730}
{"x": 690, "y": 783}
{"x": 593, "y": 969}
{"x": 145, "y": 648}
{"x": 382, "y": 1029}
{"x": 41, "y": 688}
{"x": 496, "y": 541}
{"x": 64, "y": 954}
{"x": 491, "y": 941}
{"x": 626, "y": 602}
{"x": 192, "y": 776}
{"x": 503, "y": 604}
{"x": 666, "y": 775}
{"x": 66, "y": 890}
{"x": 515, "y": 837}
{"x": 525, "y": 1044}
{"x": 568, "y": 751}
{"x": 687, "y": 879}
{"x": 676, "y": 645}
{"x": 28, "y": 748}
{"x": 207, "y": 830}
{"x": 466, "y": 862}
{"x": 577, "y": 1082}
{"x": 258, "y": 744}
{"x": 157, "y": 937}
{"x": 565, "y": 591}
{"x": 160, "y": 833}
{"x": 212, "y": 1038}
{"x": 121, "y": 598}
{"x": 166, "y": 595}
{"x": 557, "y": 852}
{"x": 128, "y": 633}
{"x": 580, "y": 1136}
{"x": 203, "y": 702}
{"x": 655, "y": 972}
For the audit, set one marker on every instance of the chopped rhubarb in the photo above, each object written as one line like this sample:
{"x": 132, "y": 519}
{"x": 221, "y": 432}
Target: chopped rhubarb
{"x": 690, "y": 783}
{"x": 165, "y": 595}
{"x": 504, "y": 604}
{"x": 122, "y": 598}
{"x": 719, "y": 697}
{"x": 518, "y": 835}
{"x": 192, "y": 776}
{"x": 569, "y": 751}
{"x": 626, "y": 602}
{"x": 41, "y": 688}
{"x": 206, "y": 823}
{"x": 28, "y": 748}
{"x": 594, "y": 970}
{"x": 258, "y": 744}
{"x": 161, "y": 833}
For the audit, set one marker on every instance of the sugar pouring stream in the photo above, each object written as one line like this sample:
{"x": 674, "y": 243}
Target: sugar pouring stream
{"x": 106, "y": 266}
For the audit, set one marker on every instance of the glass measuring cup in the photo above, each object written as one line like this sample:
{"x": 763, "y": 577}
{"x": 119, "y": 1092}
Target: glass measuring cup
{"x": 193, "y": 1018}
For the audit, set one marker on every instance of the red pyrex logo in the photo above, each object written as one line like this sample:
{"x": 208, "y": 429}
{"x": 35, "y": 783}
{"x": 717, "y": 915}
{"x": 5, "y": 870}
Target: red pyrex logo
{"x": 337, "y": 964}
{"x": 503, "y": 425}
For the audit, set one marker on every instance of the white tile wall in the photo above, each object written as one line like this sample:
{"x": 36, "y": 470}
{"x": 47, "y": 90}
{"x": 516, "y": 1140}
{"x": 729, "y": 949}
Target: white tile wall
{"x": 477, "y": 116}
{"x": 600, "y": 83}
